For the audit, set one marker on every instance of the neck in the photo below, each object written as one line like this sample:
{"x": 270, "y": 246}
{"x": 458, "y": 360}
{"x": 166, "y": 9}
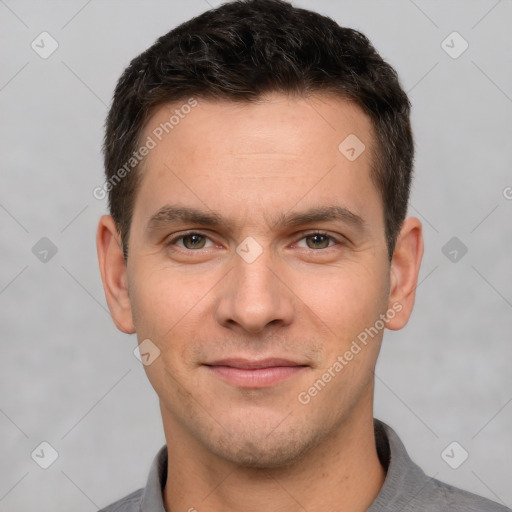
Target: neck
{"x": 342, "y": 473}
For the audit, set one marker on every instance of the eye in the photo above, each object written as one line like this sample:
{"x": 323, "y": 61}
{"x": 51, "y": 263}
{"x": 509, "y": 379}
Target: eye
{"x": 190, "y": 241}
{"x": 193, "y": 240}
{"x": 319, "y": 240}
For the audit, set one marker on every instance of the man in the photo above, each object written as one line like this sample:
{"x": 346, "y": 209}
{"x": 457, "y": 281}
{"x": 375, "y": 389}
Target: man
{"x": 258, "y": 162}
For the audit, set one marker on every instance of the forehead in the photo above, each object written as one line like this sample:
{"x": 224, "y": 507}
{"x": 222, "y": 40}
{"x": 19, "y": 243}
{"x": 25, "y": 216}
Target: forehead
{"x": 261, "y": 156}
{"x": 278, "y": 123}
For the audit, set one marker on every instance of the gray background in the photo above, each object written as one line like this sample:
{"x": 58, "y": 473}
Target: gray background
{"x": 68, "y": 377}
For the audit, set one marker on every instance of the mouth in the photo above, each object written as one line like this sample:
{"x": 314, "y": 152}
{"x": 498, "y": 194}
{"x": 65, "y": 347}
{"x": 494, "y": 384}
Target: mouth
{"x": 248, "y": 373}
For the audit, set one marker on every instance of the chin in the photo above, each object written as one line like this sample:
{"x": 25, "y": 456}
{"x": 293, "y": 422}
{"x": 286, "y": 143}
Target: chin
{"x": 263, "y": 450}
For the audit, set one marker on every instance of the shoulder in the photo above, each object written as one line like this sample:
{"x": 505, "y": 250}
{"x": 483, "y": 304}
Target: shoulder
{"x": 442, "y": 496}
{"x": 408, "y": 489}
{"x": 130, "y": 503}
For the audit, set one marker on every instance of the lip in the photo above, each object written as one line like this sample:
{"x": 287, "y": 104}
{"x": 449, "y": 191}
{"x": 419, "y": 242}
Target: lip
{"x": 254, "y": 364}
{"x": 247, "y": 373}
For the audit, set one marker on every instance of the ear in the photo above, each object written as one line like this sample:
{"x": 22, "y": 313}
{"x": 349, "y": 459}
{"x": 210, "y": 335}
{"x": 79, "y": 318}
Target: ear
{"x": 405, "y": 267}
{"x": 114, "y": 274}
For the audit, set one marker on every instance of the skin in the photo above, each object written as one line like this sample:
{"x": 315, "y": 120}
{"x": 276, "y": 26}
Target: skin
{"x": 304, "y": 298}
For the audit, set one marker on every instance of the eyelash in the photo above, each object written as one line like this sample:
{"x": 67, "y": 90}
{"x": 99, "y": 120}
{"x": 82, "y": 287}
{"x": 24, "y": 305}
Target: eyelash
{"x": 338, "y": 241}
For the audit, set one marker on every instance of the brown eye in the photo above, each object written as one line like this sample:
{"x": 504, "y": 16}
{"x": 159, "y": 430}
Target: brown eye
{"x": 196, "y": 241}
{"x": 189, "y": 241}
{"x": 318, "y": 241}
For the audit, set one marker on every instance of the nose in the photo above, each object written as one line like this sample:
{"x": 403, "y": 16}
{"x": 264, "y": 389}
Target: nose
{"x": 254, "y": 295}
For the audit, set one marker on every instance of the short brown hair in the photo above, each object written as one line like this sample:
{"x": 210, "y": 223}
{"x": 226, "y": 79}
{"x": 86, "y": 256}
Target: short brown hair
{"x": 242, "y": 50}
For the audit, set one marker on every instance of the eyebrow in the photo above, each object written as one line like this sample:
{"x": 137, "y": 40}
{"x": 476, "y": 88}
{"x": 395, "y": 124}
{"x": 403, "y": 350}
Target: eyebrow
{"x": 172, "y": 214}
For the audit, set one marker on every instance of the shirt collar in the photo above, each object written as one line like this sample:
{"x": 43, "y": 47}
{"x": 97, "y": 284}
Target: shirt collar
{"x": 152, "y": 496}
{"x": 404, "y": 479}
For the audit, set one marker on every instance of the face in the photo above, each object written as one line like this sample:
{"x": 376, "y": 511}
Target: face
{"x": 252, "y": 300}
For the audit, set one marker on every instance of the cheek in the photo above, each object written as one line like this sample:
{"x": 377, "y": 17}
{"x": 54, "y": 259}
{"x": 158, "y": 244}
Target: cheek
{"x": 163, "y": 299}
{"x": 345, "y": 300}
{"x": 171, "y": 307}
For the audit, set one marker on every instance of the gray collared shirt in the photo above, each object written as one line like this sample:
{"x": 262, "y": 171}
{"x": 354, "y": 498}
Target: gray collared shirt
{"x": 406, "y": 488}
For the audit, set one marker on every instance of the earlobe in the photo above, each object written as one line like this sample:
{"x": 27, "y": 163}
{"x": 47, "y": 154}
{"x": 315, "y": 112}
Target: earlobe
{"x": 405, "y": 267}
{"x": 114, "y": 274}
